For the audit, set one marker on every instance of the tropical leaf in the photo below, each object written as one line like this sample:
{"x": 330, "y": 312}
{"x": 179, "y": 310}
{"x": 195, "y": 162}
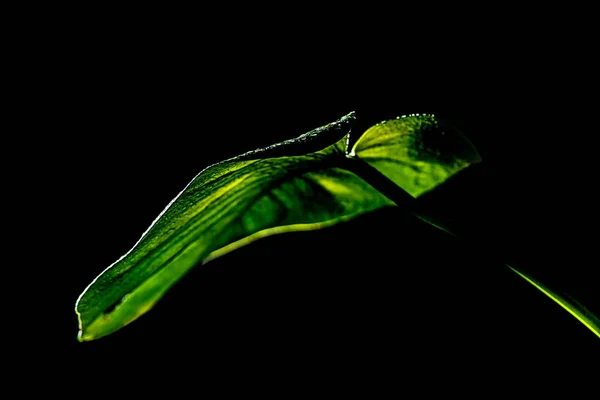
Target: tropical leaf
{"x": 227, "y": 205}
{"x": 305, "y": 183}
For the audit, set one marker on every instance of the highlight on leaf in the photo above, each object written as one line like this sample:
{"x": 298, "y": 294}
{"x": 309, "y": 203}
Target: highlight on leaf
{"x": 568, "y": 303}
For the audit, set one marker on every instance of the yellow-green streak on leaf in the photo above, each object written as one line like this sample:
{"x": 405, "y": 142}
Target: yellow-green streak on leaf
{"x": 573, "y": 307}
{"x": 417, "y": 152}
{"x": 577, "y": 310}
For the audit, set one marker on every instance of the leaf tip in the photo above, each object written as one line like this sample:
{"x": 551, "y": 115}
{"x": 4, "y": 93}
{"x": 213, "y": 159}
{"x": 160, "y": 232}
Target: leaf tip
{"x": 350, "y": 116}
{"x": 81, "y": 335}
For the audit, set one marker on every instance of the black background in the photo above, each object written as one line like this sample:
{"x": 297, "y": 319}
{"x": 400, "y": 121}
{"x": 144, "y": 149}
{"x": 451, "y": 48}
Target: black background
{"x": 128, "y": 111}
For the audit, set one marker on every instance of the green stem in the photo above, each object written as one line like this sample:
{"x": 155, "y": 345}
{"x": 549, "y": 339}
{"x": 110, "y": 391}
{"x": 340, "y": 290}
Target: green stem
{"x": 379, "y": 181}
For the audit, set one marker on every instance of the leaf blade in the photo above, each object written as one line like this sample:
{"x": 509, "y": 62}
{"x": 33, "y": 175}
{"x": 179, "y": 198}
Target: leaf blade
{"x": 417, "y": 152}
{"x": 227, "y": 205}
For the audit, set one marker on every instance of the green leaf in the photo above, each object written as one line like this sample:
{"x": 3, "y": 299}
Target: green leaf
{"x": 417, "y": 152}
{"x": 305, "y": 183}
{"x": 290, "y": 186}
